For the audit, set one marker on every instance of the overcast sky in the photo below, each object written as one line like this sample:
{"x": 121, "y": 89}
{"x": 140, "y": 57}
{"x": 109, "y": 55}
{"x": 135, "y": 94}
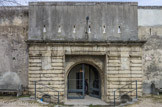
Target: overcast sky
{"x": 140, "y": 2}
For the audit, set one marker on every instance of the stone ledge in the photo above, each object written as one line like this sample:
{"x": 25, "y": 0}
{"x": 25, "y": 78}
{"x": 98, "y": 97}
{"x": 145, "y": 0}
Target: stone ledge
{"x": 85, "y": 43}
{"x": 79, "y": 3}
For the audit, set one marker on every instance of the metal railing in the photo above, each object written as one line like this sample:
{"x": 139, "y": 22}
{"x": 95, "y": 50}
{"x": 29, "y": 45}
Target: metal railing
{"x": 126, "y": 92}
{"x": 47, "y": 87}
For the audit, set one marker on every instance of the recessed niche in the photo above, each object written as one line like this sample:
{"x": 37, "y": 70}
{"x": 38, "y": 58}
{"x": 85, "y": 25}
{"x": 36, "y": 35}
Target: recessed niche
{"x": 24, "y": 29}
{"x": 150, "y": 31}
{"x": 13, "y": 58}
{"x": 89, "y": 29}
{"x": 74, "y": 29}
{"x": 44, "y": 29}
{"x": 104, "y": 29}
{"x": 119, "y": 29}
{"x": 59, "y": 29}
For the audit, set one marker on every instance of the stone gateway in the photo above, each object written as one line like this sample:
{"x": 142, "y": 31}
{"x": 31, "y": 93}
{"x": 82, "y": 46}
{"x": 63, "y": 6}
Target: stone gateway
{"x": 78, "y": 49}
{"x": 84, "y": 48}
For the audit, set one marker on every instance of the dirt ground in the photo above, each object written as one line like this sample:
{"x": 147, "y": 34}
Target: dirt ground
{"x": 12, "y": 101}
{"x": 148, "y": 101}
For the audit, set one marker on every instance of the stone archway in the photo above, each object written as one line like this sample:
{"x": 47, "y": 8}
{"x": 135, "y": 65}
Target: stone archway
{"x": 96, "y": 62}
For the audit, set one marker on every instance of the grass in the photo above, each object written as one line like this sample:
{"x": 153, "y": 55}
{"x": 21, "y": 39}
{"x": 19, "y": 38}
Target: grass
{"x": 98, "y": 106}
{"x": 24, "y": 96}
{"x": 157, "y": 98}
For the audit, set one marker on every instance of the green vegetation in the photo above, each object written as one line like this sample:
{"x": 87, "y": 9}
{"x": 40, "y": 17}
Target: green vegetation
{"x": 98, "y": 106}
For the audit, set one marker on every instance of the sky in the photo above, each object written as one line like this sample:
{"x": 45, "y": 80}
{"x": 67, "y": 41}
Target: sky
{"x": 140, "y": 2}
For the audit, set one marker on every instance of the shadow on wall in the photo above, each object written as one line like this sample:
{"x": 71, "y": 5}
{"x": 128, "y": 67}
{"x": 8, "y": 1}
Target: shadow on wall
{"x": 10, "y": 78}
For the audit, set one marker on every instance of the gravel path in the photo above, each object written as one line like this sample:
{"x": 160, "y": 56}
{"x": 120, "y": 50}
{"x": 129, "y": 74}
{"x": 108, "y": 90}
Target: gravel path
{"x": 148, "y": 101}
{"x": 10, "y": 101}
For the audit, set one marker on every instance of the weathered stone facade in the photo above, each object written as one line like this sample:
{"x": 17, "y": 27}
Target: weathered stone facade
{"x": 118, "y": 62}
{"x": 150, "y": 30}
{"x": 54, "y": 47}
{"x": 13, "y": 47}
{"x": 118, "y": 65}
{"x": 104, "y": 21}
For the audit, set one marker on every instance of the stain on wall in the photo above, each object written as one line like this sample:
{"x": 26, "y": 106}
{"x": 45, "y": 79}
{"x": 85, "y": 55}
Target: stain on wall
{"x": 13, "y": 48}
{"x": 150, "y": 30}
{"x": 56, "y": 21}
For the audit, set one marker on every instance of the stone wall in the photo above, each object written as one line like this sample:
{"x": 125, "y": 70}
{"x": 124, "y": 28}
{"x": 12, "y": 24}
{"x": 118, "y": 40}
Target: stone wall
{"x": 13, "y": 49}
{"x": 123, "y": 64}
{"x": 67, "y": 21}
{"x": 46, "y": 65}
{"x": 150, "y": 30}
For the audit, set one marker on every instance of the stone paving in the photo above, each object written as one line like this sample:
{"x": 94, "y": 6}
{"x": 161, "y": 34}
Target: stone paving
{"x": 86, "y": 101}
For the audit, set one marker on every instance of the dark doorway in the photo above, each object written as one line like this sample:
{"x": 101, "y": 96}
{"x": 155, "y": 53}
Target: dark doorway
{"x": 94, "y": 82}
{"x": 79, "y": 84}
{"x": 83, "y": 79}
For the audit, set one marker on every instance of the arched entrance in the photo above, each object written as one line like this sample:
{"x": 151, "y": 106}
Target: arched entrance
{"x": 83, "y": 79}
